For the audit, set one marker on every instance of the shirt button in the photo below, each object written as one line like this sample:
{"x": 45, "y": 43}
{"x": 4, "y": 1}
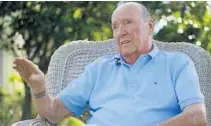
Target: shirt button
{"x": 131, "y": 68}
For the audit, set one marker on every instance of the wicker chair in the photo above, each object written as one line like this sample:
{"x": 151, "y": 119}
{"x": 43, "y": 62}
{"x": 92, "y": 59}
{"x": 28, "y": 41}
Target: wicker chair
{"x": 69, "y": 61}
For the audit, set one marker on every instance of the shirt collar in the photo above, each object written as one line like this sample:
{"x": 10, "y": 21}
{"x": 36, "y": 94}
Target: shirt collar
{"x": 152, "y": 54}
{"x": 154, "y": 50}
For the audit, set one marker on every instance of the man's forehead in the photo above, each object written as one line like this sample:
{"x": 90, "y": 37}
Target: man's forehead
{"x": 126, "y": 10}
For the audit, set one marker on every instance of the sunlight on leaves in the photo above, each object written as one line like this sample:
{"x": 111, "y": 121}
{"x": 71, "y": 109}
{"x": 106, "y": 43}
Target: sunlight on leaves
{"x": 77, "y": 13}
{"x": 36, "y": 8}
{"x": 29, "y": 4}
{"x": 14, "y": 77}
{"x": 97, "y": 36}
{"x": 176, "y": 14}
{"x": 207, "y": 18}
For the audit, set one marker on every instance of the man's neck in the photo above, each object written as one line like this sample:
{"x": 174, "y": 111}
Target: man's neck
{"x": 131, "y": 59}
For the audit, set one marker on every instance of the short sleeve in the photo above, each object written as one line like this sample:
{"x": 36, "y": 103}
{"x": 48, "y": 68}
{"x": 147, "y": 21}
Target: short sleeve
{"x": 187, "y": 84}
{"x": 76, "y": 95}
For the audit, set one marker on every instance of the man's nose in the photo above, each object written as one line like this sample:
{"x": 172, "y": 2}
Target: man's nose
{"x": 121, "y": 31}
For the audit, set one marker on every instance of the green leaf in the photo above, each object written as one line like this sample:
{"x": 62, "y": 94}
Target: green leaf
{"x": 77, "y": 13}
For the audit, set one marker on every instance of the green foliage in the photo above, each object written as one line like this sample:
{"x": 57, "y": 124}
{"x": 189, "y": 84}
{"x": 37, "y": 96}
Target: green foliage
{"x": 11, "y": 100}
{"x": 185, "y": 21}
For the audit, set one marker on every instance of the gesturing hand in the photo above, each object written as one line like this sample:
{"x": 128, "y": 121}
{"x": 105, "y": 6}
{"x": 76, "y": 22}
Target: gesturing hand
{"x": 30, "y": 73}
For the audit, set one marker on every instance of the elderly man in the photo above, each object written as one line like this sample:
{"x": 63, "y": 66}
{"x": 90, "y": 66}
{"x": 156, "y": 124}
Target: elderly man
{"x": 140, "y": 86}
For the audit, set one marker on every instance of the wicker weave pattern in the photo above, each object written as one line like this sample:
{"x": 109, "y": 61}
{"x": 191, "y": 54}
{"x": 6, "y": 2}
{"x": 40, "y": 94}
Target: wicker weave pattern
{"x": 70, "y": 60}
{"x": 34, "y": 122}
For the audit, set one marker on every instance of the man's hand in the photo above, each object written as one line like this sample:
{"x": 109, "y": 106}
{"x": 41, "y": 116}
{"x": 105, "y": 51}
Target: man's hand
{"x": 48, "y": 107}
{"x": 30, "y": 73}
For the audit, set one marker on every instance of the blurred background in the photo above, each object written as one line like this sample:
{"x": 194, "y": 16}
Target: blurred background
{"x": 36, "y": 29}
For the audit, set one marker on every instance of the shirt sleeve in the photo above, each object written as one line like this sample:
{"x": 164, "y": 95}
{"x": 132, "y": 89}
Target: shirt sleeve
{"x": 76, "y": 95}
{"x": 187, "y": 84}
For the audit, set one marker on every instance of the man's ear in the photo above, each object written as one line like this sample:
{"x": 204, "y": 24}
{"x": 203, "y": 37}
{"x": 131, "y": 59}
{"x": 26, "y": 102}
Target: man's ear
{"x": 151, "y": 26}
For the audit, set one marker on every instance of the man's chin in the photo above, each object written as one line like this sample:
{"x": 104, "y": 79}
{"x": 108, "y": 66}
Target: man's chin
{"x": 126, "y": 54}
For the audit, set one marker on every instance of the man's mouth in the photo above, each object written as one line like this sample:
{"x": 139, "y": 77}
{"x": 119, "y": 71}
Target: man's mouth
{"x": 125, "y": 42}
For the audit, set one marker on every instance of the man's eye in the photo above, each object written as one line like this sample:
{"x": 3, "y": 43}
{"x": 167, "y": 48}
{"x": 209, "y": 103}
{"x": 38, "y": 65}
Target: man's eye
{"x": 128, "y": 21}
{"x": 115, "y": 27}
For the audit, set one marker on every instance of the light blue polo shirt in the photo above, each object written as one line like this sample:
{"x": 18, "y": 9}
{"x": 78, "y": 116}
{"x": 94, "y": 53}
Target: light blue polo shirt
{"x": 158, "y": 86}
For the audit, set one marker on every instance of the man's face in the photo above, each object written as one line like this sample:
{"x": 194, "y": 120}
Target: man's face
{"x": 130, "y": 31}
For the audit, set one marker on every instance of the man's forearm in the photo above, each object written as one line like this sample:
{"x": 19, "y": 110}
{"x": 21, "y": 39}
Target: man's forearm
{"x": 41, "y": 104}
{"x": 51, "y": 108}
{"x": 189, "y": 118}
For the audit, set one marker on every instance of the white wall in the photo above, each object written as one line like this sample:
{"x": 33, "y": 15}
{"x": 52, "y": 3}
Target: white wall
{"x": 6, "y": 59}
{"x": 1, "y": 68}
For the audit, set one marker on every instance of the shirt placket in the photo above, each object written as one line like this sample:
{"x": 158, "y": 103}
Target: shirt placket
{"x": 132, "y": 85}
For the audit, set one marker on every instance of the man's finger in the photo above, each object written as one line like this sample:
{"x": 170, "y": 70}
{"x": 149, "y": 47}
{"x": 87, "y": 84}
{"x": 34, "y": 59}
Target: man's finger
{"x": 29, "y": 64}
{"x": 20, "y": 66}
{"x": 27, "y": 61}
{"x": 17, "y": 69}
{"x": 15, "y": 61}
{"x": 21, "y": 73}
{"x": 18, "y": 62}
{"x": 25, "y": 64}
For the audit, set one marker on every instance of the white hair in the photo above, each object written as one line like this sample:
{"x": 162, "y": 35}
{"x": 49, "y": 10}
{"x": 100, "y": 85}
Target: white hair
{"x": 144, "y": 13}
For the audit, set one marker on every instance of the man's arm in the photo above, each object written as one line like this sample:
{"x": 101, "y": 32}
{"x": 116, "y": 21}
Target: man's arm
{"x": 190, "y": 98}
{"x": 192, "y": 115}
{"x": 54, "y": 110}
{"x": 48, "y": 107}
